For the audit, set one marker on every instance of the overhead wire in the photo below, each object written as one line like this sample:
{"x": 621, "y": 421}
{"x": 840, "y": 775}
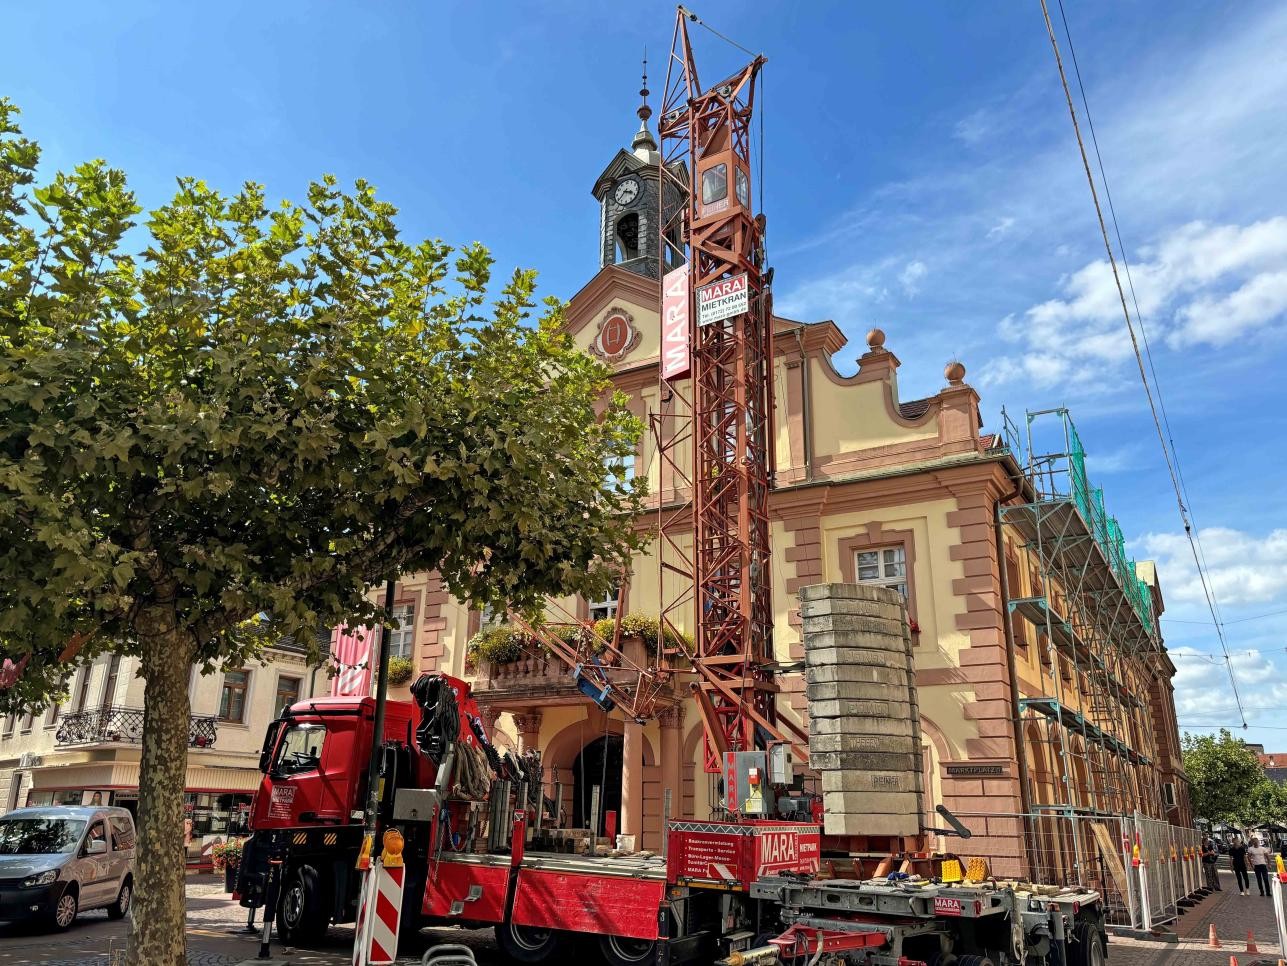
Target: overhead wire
{"x": 1135, "y": 346}
{"x": 1130, "y": 283}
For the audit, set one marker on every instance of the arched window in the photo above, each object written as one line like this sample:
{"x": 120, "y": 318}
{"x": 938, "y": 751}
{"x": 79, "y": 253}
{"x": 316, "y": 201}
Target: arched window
{"x": 627, "y": 237}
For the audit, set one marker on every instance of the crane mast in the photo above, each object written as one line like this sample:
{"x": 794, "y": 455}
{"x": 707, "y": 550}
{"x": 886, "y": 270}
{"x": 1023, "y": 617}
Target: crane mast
{"x": 714, "y": 241}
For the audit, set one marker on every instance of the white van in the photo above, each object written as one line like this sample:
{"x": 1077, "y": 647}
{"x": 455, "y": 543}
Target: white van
{"x": 57, "y": 860}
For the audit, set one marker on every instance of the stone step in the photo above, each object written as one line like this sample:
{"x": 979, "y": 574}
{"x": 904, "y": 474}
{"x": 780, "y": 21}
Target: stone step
{"x": 872, "y": 803}
{"x": 842, "y": 761}
{"x": 902, "y": 780}
{"x": 852, "y": 608}
{"x": 854, "y": 624}
{"x": 845, "y": 591}
{"x": 888, "y": 707}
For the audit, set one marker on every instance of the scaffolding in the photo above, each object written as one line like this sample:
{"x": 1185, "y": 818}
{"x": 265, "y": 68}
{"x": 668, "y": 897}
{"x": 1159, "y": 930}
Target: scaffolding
{"x": 1087, "y": 723}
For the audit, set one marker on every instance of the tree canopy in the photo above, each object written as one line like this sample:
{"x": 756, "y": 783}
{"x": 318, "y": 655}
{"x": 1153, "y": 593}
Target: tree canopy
{"x": 268, "y": 410}
{"x": 222, "y": 422}
{"x": 1224, "y": 777}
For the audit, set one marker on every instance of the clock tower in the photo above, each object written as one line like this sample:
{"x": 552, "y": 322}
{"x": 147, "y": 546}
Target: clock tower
{"x": 627, "y": 193}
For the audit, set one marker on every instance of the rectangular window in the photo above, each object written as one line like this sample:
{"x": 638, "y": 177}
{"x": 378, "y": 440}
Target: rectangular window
{"x": 714, "y": 184}
{"x": 605, "y": 608}
{"x": 403, "y": 639}
{"x": 9, "y": 722}
{"x": 232, "y": 703}
{"x": 886, "y": 567}
{"x": 287, "y": 692}
{"x": 109, "y": 685}
{"x": 743, "y": 184}
{"x": 81, "y": 687}
{"x": 26, "y": 721}
{"x": 618, "y": 471}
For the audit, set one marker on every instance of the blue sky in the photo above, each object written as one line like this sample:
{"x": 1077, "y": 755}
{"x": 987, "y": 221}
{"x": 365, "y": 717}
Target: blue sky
{"x": 920, "y": 175}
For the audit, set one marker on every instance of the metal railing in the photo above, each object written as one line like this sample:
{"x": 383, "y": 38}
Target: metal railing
{"x": 125, "y": 725}
{"x": 1096, "y": 851}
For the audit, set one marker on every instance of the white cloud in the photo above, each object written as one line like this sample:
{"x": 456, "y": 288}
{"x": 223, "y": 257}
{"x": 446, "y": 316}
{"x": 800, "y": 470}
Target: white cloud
{"x": 975, "y": 126}
{"x": 911, "y": 276}
{"x": 1242, "y": 568}
{"x": 1204, "y": 694}
{"x": 1001, "y": 228}
{"x": 1200, "y": 284}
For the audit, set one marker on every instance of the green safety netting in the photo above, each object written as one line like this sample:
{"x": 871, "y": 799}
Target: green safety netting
{"x": 1104, "y": 528}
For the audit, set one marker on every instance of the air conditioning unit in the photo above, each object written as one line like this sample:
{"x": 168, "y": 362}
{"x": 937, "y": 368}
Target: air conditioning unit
{"x": 1168, "y": 794}
{"x": 29, "y": 759}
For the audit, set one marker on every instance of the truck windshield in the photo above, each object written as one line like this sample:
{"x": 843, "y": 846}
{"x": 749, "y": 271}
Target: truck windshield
{"x": 300, "y": 749}
{"x": 38, "y": 836}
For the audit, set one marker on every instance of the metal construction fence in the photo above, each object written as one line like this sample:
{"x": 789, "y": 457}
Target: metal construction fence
{"x": 1141, "y": 888}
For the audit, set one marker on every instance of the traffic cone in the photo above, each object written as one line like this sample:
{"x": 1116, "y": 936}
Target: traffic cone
{"x": 1251, "y": 943}
{"x": 1212, "y": 941}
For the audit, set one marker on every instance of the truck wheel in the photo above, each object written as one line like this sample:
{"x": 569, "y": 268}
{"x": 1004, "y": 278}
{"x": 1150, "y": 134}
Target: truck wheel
{"x": 623, "y": 951}
{"x": 302, "y": 914}
{"x": 1088, "y": 950}
{"x": 973, "y": 960}
{"x": 528, "y": 944}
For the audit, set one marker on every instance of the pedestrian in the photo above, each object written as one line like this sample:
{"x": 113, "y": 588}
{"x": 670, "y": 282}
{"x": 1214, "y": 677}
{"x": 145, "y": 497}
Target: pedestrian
{"x": 1259, "y": 856}
{"x": 1238, "y": 861}
{"x": 1209, "y": 857}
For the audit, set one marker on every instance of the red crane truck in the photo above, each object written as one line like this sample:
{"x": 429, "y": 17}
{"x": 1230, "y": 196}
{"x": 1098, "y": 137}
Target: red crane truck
{"x": 741, "y": 892}
{"x": 481, "y": 842}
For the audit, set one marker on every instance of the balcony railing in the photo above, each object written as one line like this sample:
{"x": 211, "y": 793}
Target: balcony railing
{"x": 125, "y": 726}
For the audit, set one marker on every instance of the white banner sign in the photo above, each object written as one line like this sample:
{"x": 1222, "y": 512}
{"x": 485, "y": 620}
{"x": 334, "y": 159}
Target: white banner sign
{"x": 723, "y": 299}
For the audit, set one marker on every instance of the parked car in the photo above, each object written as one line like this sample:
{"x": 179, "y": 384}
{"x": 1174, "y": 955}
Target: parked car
{"x": 56, "y": 861}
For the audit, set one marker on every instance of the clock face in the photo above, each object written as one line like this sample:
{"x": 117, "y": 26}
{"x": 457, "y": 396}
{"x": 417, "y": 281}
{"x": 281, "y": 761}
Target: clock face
{"x": 627, "y": 191}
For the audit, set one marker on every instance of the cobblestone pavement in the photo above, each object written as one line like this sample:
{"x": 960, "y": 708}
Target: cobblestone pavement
{"x": 216, "y": 937}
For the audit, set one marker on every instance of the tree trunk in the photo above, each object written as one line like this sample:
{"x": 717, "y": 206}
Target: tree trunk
{"x": 156, "y": 927}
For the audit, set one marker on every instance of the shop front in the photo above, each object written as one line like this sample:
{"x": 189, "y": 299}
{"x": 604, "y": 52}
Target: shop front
{"x": 216, "y": 803}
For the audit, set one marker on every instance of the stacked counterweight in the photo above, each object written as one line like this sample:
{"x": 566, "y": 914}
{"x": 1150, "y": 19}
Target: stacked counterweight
{"x": 864, "y": 724}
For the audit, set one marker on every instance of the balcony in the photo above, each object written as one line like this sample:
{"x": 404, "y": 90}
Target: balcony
{"x": 113, "y": 725}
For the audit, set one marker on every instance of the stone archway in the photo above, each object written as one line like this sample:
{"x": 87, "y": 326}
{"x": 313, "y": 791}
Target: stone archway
{"x": 599, "y": 765}
{"x": 564, "y": 754}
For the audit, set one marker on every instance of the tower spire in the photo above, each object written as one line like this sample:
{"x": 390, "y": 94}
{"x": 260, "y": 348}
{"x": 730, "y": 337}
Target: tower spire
{"x": 643, "y": 145}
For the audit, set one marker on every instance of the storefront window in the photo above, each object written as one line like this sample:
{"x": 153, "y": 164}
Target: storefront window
{"x": 210, "y": 818}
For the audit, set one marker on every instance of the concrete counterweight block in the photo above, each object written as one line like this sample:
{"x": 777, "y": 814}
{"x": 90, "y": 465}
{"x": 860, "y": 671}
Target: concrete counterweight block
{"x": 864, "y": 721}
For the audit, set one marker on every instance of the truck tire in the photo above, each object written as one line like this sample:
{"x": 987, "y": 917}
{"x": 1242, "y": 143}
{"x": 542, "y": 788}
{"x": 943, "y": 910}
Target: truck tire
{"x": 623, "y": 951}
{"x": 1088, "y": 950}
{"x": 303, "y": 914}
{"x": 528, "y": 944}
{"x": 973, "y": 960}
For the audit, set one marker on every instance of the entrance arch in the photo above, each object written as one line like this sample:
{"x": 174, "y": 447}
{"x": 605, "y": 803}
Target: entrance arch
{"x": 598, "y": 765}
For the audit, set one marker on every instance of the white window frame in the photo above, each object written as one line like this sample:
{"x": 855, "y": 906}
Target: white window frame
{"x": 628, "y": 465}
{"x": 891, "y": 555}
{"x": 402, "y": 641}
{"x": 605, "y": 608}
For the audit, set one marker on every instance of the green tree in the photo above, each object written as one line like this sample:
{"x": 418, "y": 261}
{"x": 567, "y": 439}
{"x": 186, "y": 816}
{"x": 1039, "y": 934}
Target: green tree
{"x": 231, "y": 434}
{"x": 1266, "y": 804}
{"x": 1223, "y": 773}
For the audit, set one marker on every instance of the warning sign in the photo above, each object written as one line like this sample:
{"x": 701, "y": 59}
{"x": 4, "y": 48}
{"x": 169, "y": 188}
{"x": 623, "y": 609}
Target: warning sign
{"x": 723, "y": 299}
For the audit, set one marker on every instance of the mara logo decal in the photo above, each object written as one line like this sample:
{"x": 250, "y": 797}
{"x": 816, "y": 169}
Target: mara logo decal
{"x": 945, "y": 906}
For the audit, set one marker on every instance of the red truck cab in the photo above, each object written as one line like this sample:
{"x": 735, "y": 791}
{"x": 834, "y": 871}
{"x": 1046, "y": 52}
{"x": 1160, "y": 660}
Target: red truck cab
{"x": 315, "y": 757}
